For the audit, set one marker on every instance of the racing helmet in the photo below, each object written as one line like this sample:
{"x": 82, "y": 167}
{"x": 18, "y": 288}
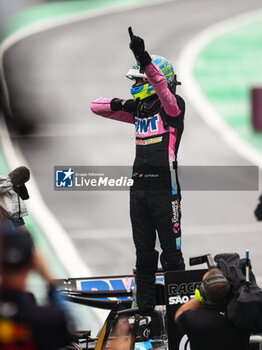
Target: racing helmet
{"x": 146, "y": 90}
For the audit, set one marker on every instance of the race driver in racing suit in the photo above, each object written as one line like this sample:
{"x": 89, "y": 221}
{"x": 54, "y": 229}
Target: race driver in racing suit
{"x": 155, "y": 197}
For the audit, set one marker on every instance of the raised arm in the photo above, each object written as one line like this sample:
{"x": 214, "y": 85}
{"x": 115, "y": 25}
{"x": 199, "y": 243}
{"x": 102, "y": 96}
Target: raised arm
{"x": 159, "y": 83}
{"x": 154, "y": 75}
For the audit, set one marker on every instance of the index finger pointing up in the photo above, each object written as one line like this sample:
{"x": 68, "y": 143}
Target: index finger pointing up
{"x": 130, "y": 31}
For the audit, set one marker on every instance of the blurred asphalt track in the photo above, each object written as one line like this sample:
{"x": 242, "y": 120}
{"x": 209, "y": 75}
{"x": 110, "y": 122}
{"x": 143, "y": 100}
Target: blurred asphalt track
{"x": 54, "y": 75}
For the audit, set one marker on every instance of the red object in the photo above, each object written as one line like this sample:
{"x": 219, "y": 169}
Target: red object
{"x": 256, "y": 97}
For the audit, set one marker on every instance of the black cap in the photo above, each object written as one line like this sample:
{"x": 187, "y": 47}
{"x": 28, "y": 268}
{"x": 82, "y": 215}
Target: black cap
{"x": 17, "y": 247}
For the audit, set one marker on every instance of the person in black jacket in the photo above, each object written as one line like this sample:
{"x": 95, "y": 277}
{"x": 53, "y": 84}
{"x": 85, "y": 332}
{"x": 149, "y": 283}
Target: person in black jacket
{"x": 203, "y": 319}
{"x": 23, "y": 323}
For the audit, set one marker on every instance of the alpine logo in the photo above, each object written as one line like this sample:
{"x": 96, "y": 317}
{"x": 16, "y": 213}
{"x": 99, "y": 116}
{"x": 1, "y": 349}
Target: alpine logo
{"x": 145, "y": 125}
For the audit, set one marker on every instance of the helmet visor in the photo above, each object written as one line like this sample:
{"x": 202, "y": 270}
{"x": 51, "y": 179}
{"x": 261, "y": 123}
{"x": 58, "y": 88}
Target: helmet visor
{"x": 134, "y": 73}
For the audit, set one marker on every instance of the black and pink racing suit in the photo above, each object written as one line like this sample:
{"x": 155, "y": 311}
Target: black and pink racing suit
{"x": 155, "y": 196}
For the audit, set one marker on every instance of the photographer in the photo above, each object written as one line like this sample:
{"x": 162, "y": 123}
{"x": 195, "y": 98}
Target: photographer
{"x": 26, "y": 324}
{"x": 204, "y": 318}
{"x": 13, "y": 192}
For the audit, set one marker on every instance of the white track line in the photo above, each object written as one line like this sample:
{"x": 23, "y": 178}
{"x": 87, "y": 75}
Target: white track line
{"x": 195, "y": 95}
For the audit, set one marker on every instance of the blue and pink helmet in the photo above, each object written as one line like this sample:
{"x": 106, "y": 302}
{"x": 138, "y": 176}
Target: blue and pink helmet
{"x": 146, "y": 90}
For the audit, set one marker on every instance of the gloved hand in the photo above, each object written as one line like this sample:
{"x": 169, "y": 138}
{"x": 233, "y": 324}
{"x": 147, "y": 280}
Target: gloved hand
{"x": 137, "y": 45}
{"x": 129, "y": 106}
{"x": 116, "y": 104}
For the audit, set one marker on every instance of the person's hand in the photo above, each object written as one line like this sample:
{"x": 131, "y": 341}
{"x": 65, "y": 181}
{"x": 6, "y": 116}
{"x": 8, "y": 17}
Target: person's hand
{"x": 137, "y": 46}
{"x": 116, "y": 104}
{"x": 129, "y": 106}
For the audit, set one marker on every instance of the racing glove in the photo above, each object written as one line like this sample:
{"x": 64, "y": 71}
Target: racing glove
{"x": 129, "y": 106}
{"x": 116, "y": 104}
{"x": 137, "y": 45}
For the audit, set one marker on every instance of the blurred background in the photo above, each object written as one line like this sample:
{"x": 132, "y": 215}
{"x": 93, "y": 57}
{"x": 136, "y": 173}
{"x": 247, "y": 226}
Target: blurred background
{"x": 56, "y": 57}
